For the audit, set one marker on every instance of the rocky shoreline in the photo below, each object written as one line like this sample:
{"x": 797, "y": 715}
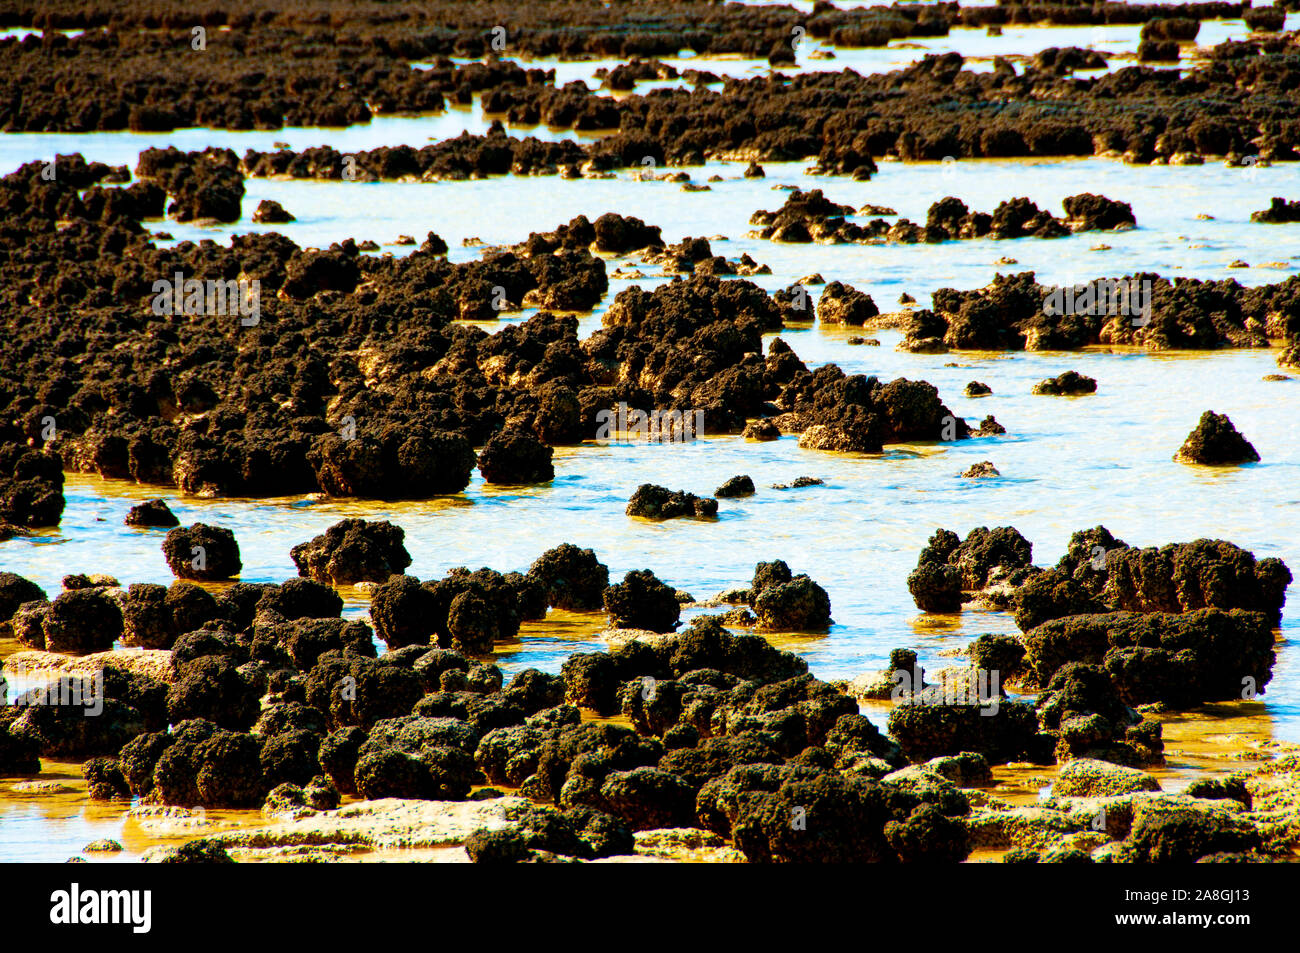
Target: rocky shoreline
{"x": 339, "y": 428}
{"x": 227, "y": 720}
{"x": 723, "y": 744}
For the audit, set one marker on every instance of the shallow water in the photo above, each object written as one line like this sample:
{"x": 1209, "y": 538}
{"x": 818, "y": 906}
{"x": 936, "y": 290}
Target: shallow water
{"x": 1067, "y": 463}
{"x": 1118, "y": 42}
{"x": 1165, "y": 200}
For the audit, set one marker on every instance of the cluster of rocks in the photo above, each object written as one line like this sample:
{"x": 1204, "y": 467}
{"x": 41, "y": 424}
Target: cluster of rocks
{"x": 1182, "y": 624}
{"x": 926, "y": 111}
{"x": 272, "y": 699}
{"x": 201, "y": 185}
{"x": 1078, "y": 714}
{"x": 1128, "y": 821}
{"x": 1015, "y": 312}
{"x": 352, "y": 428}
{"x": 92, "y": 613}
{"x": 469, "y": 611}
{"x": 810, "y": 216}
{"x": 625, "y": 76}
{"x": 730, "y": 733}
{"x": 694, "y": 256}
{"x": 949, "y": 566}
{"x": 935, "y": 109}
{"x": 216, "y": 407}
{"x": 240, "y": 79}
{"x": 831, "y": 410}
{"x": 465, "y": 156}
{"x": 838, "y": 303}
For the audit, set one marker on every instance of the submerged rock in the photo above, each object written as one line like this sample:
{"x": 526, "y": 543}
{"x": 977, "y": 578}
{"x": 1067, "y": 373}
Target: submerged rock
{"x": 799, "y": 483}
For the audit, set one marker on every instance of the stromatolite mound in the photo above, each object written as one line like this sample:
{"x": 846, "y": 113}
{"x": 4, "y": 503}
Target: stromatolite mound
{"x": 1069, "y": 384}
{"x": 31, "y": 485}
{"x": 152, "y": 513}
{"x": 515, "y": 457}
{"x": 201, "y": 551}
{"x": 654, "y": 502}
{"x": 14, "y": 591}
{"x": 271, "y": 212}
{"x": 641, "y": 601}
{"x": 948, "y": 566}
{"x": 1216, "y": 441}
{"x": 353, "y": 550}
{"x": 740, "y": 485}
{"x": 1181, "y": 659}
{"x": 572, "y": 578}
{"x": 786, "y": 602}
